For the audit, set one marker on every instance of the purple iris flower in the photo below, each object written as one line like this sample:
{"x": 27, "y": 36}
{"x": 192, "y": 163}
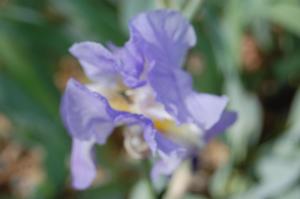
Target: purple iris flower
{"x": 138, "y": 86}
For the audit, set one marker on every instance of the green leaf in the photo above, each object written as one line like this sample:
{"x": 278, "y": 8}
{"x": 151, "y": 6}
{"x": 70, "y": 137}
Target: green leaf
{"x": 246, "y": 130}
{"x": 17, "y": 64}
{"x": 293, "y": 193}
{"x": 210, "y": 79}
{"x": 109, "y": 191}
{"x": 295, "y": 112}
{"x": 91, "y": 20}
{"x": 286, "y": 15}
{"x": 278, "y": 168}
{"x": 141, "y": 189}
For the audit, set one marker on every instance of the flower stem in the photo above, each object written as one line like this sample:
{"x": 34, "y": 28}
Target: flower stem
{"x": 146, "y": 168}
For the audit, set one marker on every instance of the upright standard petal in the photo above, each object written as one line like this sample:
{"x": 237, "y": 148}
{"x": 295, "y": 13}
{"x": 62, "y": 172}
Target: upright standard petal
{"x": 98, "y": 63}
{"x": 83, "y": 167}
{"x": 152, "y": 35}
{"x": 163, "y": 36}
{"x": 132, "y": 64}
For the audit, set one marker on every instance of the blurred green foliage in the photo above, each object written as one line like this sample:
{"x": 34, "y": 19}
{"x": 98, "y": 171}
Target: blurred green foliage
{"x": 247, "y": 49}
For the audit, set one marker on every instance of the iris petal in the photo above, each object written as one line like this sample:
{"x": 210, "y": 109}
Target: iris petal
{"x": 163, "y": 36}
{"x": 83, "y": 167}
{"x": 86, "y": 114}
{"x": 158, "y": 44}
{"x": 226, "y": 120}
{"x": 98, "y": 63}
{"x": 90, "y": 119}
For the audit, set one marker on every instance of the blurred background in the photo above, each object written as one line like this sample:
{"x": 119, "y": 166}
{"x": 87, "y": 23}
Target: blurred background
{"x": 246, "y": 49}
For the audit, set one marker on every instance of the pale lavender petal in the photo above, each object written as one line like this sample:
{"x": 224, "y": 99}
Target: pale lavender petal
{"x": 226, "y": 120}
{"x": 149, "y": 132}
{"x": 98, "y": 63}
{"x": 83, "y": 167}
{"x": 165, "y": 166}
{"x": 174, "y": 90}
{"x": 163, "y": 36}
{"x": 206, "y": 109}
{"x": 86, "y": 114}
{"x": 170, "y": 90}
{"x": 170, "y": 155}
{"x": 132, "y": 64}
{"x": 166, "y": 146}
